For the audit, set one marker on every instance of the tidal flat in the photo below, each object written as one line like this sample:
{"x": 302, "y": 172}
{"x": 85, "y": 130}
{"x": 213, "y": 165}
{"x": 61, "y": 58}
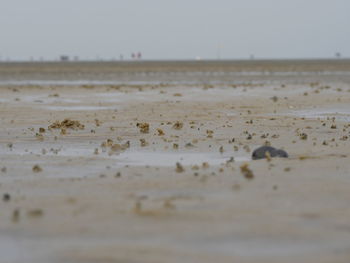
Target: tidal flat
{"x": 151, "y": 161}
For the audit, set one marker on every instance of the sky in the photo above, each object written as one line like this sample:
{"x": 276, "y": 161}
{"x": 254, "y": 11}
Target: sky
{"x": 174, "y": 29}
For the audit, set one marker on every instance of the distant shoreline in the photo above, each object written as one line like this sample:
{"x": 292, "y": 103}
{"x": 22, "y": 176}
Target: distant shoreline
{"x": 284, "y": 65}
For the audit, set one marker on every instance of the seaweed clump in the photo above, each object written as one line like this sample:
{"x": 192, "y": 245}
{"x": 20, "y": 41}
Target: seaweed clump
{"x": 67, "y": 124}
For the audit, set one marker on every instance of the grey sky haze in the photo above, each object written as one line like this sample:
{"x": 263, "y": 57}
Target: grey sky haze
{"x": 174, "y": 29}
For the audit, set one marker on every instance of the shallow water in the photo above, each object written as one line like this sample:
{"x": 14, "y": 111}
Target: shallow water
{"x": 111, "y": 81}
{"x": 77, "y": 108}
{"x": 341, "y": 114}
{"x": 137, "y": 158}
{"x": 39, "y": 82}
{"x": 171, "y": 158}
{"x": 40, "y": 99}
{"x": 46, "y": 99}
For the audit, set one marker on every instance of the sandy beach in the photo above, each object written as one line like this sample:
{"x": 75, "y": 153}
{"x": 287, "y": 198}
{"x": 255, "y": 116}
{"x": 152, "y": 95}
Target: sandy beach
{"x": 147, "y": 162}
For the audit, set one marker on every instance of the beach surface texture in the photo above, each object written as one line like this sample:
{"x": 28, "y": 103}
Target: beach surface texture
{"x": 152, "y": 162}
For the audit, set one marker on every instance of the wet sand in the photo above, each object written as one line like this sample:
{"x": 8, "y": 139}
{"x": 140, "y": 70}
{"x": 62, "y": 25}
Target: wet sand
{"x": 112, "y": 192}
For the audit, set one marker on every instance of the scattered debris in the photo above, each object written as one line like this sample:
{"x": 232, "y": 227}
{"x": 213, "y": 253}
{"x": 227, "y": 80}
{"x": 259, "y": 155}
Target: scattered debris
{"x": 210, "y": 133}
{"x": 178, "y": 125}
{"x": 15, "y": 216}
{"x": 37, "y": 169}
{"x": 303, "y": 136}
{"x": 39, "y": 136}
{"x": 304, "y": 157}
{"x": 274, "y": 98}
{"x": 189, "y": 145}
{"x": 143, "y": 142}
{"x": 116, "y": 148}
{"x": 195, "y": 167}
{"x": 97, "y": 122}
{"x": 160, "y": 132}
{"x": 107, "y": 143}
{"x": 231, "y": 160}
{"x": 67, "y": 124}
{"x": 35, "y": 213}
{"x": 205, "y": 165}
{"x": 247, "y": 173}
{"x": 179, "y": 168}
{"x": 144, "y": 127}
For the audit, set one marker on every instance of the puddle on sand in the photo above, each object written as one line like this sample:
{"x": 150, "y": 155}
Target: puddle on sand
{"x": 73, "y": 82}
{"x": 140, "y": 158}
{"x": 231, "y": 114}
{"x": 341, "y": 114}
{"x": 170, "y": 159}
{"x": 77, "y": 108}
{"x": 46, "y": 100}
{"x": 39, "y": 99}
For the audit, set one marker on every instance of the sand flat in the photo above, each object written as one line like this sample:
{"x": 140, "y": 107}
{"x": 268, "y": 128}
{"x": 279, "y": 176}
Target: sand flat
{"x": 131, "y": 203}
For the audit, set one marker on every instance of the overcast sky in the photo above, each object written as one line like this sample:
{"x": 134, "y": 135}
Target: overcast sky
{"x": 174, "y": 29}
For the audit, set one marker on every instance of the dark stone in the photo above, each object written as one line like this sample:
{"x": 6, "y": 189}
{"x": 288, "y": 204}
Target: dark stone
{"x": 260, "y": 153}
{"x": 282, "y": 153}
